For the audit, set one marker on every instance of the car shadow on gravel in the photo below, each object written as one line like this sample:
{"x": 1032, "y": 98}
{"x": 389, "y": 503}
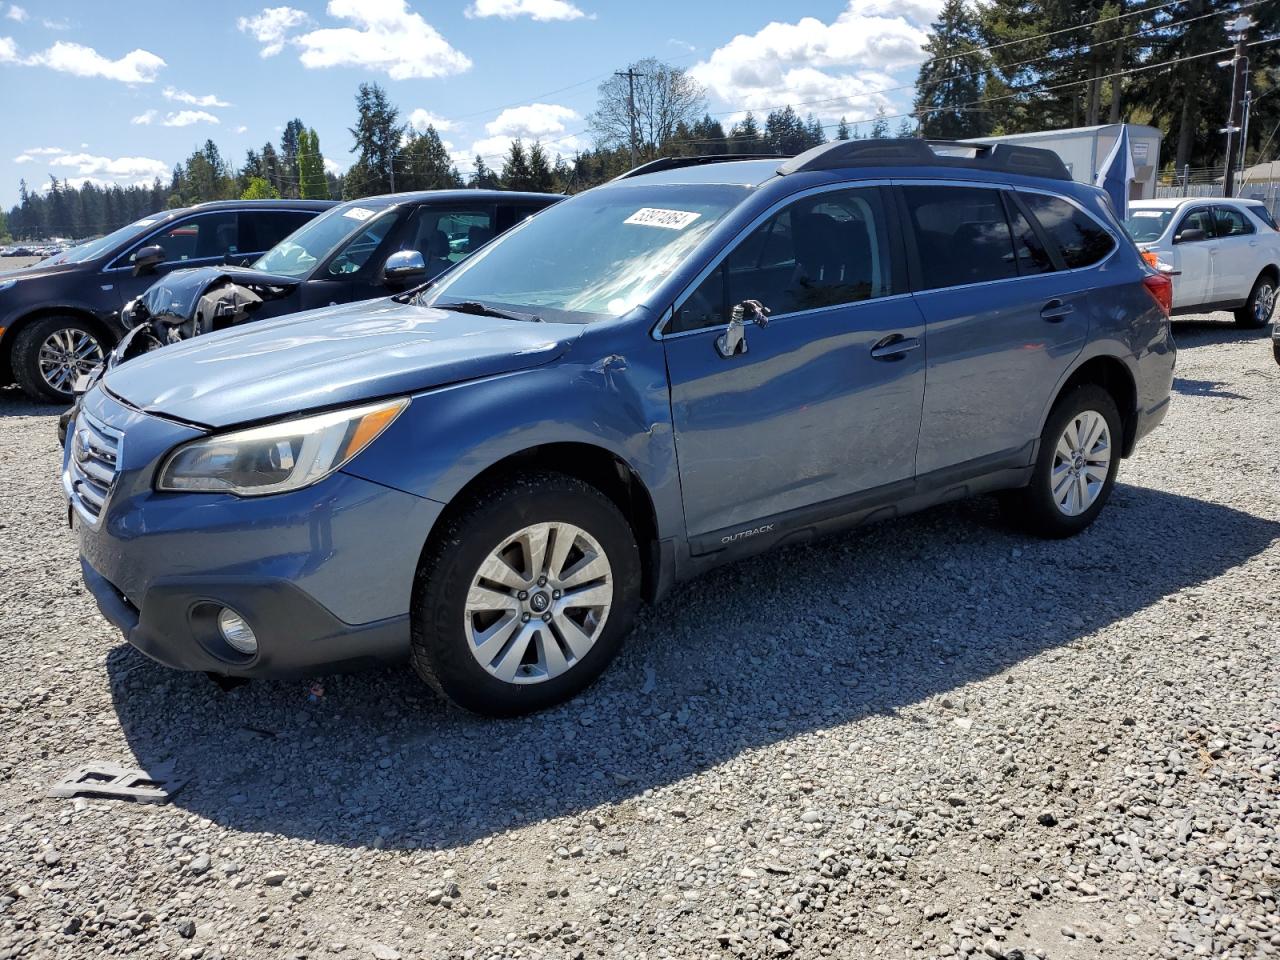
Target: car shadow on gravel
{"x": 1189, "y": 334}
{"x": 15, "y": 403}
{"x": 807, "y": 638}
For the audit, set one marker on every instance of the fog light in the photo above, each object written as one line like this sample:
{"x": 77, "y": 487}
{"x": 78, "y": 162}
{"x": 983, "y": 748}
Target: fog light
{"x": 237, "y": 632}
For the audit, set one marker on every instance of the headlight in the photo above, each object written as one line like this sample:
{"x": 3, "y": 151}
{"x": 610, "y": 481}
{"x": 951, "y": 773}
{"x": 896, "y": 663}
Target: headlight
{"x": 277, "y": 457}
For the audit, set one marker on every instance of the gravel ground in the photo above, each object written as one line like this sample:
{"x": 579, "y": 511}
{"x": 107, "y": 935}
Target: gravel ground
{"x": 925, "y": 739}
{"x": 9, "y": 264}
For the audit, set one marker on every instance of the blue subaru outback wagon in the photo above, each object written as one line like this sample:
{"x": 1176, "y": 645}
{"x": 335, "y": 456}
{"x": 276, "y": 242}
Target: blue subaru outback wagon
{"x": 703, "y": 359}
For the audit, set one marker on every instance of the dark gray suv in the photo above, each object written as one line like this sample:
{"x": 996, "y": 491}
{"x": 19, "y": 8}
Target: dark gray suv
{"x": 698, "y": 361}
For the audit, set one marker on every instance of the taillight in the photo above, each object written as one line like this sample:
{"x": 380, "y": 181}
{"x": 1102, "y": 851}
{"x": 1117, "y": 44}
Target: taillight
{"x": 1161, "y": 289}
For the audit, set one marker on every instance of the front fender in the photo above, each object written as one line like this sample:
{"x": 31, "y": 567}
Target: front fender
{"x": 604, "y": 393}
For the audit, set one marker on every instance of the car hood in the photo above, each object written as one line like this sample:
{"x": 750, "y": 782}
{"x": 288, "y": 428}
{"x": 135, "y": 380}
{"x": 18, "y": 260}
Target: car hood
{"x": 176, "y": 294}
{"x": 329, "y": 357}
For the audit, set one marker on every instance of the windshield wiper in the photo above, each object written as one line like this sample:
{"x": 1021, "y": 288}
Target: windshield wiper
{"x": 478, "y": 309}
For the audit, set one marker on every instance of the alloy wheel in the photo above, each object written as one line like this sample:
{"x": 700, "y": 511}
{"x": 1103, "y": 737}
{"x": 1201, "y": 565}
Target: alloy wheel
{"x": 1264, "y": 303}
{"x": 1081, "y": 462}
{"x": 538, "y": 603}
{"x": 65, "y": 355}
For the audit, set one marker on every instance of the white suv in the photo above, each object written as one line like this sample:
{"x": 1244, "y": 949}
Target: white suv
{"x": 1225, "y": 253}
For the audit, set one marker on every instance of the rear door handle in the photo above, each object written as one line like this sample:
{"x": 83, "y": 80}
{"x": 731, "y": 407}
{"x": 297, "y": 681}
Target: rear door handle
{"x": 1055, "y": 311}
{"x": 894, "y": 347}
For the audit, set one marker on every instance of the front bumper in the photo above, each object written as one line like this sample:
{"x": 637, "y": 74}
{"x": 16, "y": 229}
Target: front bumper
{"x": 297, "y": 636}
{"x": 324, "y": 575}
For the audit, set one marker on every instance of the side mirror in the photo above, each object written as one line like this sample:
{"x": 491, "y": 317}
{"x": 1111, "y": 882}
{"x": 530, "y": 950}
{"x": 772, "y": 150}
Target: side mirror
{"x": 404, "y": 267}
{"x": 147, "y": 258}
{"x": 734, "y": 339}
{"x": 1190, "y": 235}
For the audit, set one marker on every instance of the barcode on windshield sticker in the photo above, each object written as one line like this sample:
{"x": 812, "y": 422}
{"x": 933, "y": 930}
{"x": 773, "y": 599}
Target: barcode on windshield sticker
{"x": 667, "y": 219}
{"x": 358, "y": 213}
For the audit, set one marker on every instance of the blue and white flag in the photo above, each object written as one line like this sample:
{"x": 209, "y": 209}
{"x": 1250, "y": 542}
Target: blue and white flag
{"x": 1116, "y": 173}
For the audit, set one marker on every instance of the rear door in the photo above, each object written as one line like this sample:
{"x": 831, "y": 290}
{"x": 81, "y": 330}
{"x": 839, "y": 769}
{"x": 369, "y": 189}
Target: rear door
{"x": 1237, "y": 262}
{"x": 1003, "y": 324}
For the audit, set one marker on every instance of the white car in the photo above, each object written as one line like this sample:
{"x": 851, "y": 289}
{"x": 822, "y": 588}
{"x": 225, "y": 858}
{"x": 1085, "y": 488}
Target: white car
{"x": 1225, "y": 254}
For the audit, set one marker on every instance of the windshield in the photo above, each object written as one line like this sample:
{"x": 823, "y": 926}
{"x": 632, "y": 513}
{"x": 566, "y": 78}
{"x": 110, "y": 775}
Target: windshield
{"x": 594, "y": 256}
{"x": 297, "y": 254}
{"x": 1147, "y": 225}
{"x": 96, "y": 248}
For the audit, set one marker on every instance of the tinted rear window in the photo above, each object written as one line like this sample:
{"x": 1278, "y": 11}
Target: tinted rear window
{"x": 962, "y": 235}
{"x": 1081, "y": 238}
{"x": 263, "y": 229}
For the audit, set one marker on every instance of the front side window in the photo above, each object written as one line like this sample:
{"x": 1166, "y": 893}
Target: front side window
{"x": 445, "y": 237}
{"x": 101, "y": 246}
{"x": 597, "y": 255}
{"x": 962, "y": 235}
{"x": 1198, "y": 219}
{"x": 1080, "y": 238}
{"x": 297, "y": 254}
{"x": 207, "y": 237}
{"x": 821, "y": 251}
{"x": 1231, "y": 223}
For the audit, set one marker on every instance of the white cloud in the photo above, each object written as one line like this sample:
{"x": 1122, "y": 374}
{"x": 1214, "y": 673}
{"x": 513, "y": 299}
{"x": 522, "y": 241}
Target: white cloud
{"x": 181, "y": 96}
{"x": 61, "y": 24}
{"x": 271, "y": 26}
{"x": 333, "y": 167}
{"x": 16, "y": 13}
{"x": 136, "y": 66}
{"x": 830, "y": 68}
{"x": 117, "y": 168}
{"x": 386, "y": 37}
{"x": 23, "y": 158}
{"x": 682, "y": 45}
{"x": 8, "y": 50}
{"x": 534, "y": 121}
{"x": 242, "y": 129}
{"x": 187, "y": 118}
{"x": 537, "y": 9}
{"x": 420, "y": 119}
{"x": 43, "y": 151}
{"x": 144, "y": 119}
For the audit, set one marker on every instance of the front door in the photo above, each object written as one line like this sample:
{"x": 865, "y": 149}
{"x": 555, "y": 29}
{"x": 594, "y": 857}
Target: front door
{"x": 825, "y": 401}
{"x": 1193, "y": 257}
{"x": 200, "y": 240}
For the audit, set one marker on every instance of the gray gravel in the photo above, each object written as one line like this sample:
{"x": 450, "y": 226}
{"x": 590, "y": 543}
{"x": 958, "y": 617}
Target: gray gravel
{"x": 930, "y": 738}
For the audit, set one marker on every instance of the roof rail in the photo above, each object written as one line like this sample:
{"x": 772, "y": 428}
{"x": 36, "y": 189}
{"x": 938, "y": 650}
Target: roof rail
{"x": 910, "y": 151}
{"x": 675, "y": 163}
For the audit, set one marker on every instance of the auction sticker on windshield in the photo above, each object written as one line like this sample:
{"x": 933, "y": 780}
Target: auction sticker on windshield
{"x": 358, "y": 213}
{"x": 667, "y": 219}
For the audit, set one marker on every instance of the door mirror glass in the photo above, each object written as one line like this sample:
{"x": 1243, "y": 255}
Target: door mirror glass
{"x": 1191, "y": 235}
{"x": 147, "y": 258}
{"x": 404, "y": 267}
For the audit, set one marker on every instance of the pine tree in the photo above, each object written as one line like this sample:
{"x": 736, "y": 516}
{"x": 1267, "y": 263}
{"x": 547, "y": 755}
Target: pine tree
{"x": 515, "y": 169}
{"x": 842, "y": 131}
{"x": 377, "y": 136}
{"x": 905, "y": 130}
{"x": 541, "y": 177}
{"x": 290, "y": 143}
{"x": 425, "y": 163}
{"x": 880, "y": 125}
{"x": 482, "y": 178}
{"x": 709, "y": 137}
{"x": 259, "y": 189}
{"x": 745, "y": 135}
{"x": 951, "y": 82}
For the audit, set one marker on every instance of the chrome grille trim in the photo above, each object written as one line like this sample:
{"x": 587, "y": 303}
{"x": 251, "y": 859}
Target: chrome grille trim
{"x": 92, "y": 466}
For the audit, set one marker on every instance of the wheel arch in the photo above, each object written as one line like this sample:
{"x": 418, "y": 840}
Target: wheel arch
{"x": 598, "y": 466}
{"x": 1113, "y": 375}
{"x": 16, "y": 325}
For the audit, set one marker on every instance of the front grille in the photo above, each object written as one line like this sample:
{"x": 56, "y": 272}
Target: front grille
{"x": 95, "y": 454}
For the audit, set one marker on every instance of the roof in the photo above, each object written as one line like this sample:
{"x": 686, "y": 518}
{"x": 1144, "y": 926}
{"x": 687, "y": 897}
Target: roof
{"x": 749, "y": 173}
{"x": 423, "y": 196}
{"x": 264, "y": 205}
{"x": 1172, "y": 203}
{"x": 1262, "y": 171}
{"x": 1135, "y": 129}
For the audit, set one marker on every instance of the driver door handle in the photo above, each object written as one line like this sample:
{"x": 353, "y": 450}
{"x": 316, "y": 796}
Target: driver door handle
{"x": 1055, "y": 311}
{"x": 894, "y": 347}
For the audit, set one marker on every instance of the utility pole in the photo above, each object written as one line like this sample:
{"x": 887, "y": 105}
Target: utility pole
{"x": 391, "y": 171}
{"x": 1238, "y": 31}
{"x": 631, "y": 76}
{"x": 1244, "y": 130}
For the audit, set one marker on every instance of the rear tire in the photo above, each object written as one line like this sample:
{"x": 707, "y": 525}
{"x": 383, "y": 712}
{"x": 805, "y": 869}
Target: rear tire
{"x": 1075, "y": 468}
{"x": 1256, "y": 313}
{"x": 495, "y": 626}
{"x": 51, "y": 353}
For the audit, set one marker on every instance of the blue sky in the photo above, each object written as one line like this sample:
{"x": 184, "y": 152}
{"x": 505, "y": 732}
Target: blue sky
{"x": 120, "y": 91}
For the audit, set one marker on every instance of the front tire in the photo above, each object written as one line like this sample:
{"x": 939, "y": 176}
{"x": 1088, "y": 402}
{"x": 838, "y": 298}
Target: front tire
{"x": 50, "y": 354}
{"x": 1256, "y": 313}
{"x": 1075, "y": 468}
{"x": 525, "y": 595}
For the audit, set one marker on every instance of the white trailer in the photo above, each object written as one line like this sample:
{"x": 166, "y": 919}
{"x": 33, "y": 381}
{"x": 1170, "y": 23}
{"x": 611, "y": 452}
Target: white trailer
{"x": 1084, "y": 149}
